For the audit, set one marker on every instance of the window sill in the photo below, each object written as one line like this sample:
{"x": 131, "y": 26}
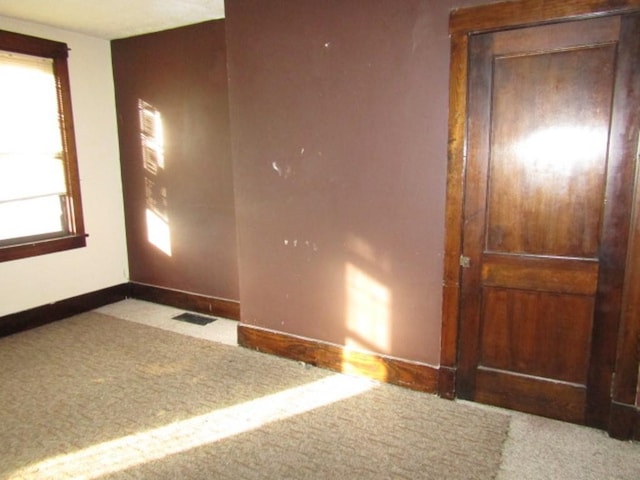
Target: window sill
{"x": 42, "y": 247}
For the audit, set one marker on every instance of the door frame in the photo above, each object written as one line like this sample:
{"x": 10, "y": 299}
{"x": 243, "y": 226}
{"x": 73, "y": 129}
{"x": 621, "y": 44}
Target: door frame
{"x": 624, "y": 417}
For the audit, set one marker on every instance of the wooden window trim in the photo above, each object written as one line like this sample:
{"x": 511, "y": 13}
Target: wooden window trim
{"x": 75, "y": 236}
{"x": 42, "y": 247}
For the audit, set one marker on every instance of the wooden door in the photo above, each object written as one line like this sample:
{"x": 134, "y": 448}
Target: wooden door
{"x": 547, "y": 201}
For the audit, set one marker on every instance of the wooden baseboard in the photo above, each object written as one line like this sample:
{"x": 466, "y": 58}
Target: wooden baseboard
{"x": 624, "y": 421}
{"x": 417, "y": 376}
{"x": 189, "y": 301}
{"x": 447, "y": 382}
{"x": 38, "y": 316}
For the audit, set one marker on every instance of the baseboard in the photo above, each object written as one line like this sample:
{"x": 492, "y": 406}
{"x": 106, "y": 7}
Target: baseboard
{"x": 38, "y": 316}
{"x": 414, "y": 375}
{"x": 447, "y": 382}
{"x": 624, "y": 421}
{"x": 189, "y": 301}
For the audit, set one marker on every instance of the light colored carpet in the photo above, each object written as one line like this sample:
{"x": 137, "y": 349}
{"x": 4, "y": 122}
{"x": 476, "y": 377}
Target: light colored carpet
{"x": 536, "y": 448}
{"x": 93, "y": 397}
{"x": 543, "y": 449}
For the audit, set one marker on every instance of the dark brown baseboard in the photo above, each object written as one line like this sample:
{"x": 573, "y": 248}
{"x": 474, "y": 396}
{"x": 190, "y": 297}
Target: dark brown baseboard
{"x": 447, "y": 382}
{"x": 417, "y": 376}
{"x": 38, "y": 316}
{"x": 624, "y": 421}
{"x": 189, "y": 301}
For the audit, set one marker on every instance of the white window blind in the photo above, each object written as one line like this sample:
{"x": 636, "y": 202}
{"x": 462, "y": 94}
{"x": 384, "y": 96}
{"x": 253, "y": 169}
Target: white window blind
{"x": 32, "y": 176}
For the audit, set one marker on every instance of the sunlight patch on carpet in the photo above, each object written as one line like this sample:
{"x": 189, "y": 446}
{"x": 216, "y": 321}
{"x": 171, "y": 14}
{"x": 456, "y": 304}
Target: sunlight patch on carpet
{"x": 132, "y": 450}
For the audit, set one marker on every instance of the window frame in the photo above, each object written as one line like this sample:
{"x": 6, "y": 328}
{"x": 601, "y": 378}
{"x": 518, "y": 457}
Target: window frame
{"x": 74, "y": 236}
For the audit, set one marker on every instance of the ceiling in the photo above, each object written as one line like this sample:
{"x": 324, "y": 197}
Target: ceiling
{"x": 111, "y": 19}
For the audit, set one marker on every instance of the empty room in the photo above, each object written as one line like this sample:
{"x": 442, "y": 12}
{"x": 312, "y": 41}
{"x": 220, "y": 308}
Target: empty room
{"x": 271, "y": 239}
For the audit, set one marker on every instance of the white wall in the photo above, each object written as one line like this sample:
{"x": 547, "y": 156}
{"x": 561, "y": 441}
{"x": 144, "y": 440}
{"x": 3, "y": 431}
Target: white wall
{"x": 102, "y": 263}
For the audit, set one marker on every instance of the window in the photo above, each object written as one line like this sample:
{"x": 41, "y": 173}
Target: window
{"x": 40, "y": 205}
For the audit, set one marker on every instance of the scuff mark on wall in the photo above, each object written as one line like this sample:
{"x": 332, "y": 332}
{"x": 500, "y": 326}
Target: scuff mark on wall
{"x": 306, "y": 244}
{"x": 282, "y": 171}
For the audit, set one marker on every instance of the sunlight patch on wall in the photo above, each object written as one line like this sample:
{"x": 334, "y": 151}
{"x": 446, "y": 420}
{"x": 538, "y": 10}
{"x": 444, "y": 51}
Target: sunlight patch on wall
{"x": 368, "y": 322}
{"x": 151, "y": 136}
{"x": 132, "y": 450}
{"x": 158, "y": 232}
{"x": 368, "y": 310}
{"x": 152, "y": 139}
{"x": 361, "y": 249}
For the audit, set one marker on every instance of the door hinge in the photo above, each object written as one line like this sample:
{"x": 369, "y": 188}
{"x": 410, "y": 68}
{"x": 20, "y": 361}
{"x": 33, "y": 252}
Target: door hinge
{"x": 465, "y": 262}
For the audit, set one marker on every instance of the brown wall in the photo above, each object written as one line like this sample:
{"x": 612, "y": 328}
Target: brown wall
{"x": 181, "y": 73}
{"x": 339, "y": 137}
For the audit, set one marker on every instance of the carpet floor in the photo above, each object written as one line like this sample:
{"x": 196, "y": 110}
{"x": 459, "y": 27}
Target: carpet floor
{"x": 94, "y": 396}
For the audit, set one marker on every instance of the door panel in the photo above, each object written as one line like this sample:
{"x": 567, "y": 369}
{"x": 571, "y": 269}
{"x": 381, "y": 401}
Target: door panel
{"x": 529, "y": 272}
{"x": 542, "y": 191}
{"x": 563, "y": 401}
{"x": 534, "y": 333}
{"x": 549, "y": 136}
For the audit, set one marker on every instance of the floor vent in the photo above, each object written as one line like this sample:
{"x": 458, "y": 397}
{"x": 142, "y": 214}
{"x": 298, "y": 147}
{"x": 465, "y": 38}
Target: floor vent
{"x": 194, "y": 318}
